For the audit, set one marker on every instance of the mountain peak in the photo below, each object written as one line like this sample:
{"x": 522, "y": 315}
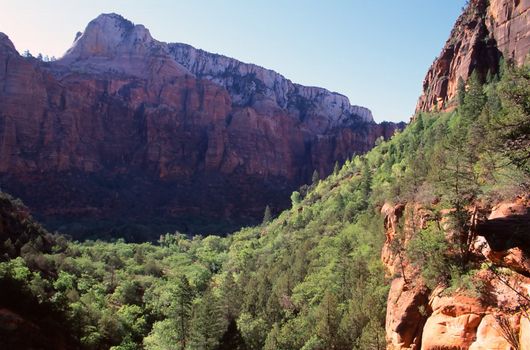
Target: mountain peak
{"x": 114, "y": 17}
{"x": 109, "y": 35}
{"x": 6, "y": 42}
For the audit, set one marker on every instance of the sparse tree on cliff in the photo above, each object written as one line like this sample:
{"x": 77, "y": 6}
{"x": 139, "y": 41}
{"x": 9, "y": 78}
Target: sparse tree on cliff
{"x": 315, "y": 178}
{"x": 461, "y": 91}
{"x": 336, "y": 168}
{"x": 267, "y": 215}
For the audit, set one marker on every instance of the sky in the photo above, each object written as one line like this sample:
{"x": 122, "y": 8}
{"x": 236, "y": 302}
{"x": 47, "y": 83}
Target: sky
{"x": 375, "y": 52}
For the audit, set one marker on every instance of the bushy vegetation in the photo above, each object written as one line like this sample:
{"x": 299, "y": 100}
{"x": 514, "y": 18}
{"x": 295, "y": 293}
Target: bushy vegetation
{"x": 310, "y": 278}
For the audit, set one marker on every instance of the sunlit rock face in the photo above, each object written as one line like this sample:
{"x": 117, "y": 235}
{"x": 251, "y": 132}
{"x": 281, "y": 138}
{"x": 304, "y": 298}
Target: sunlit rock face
{"x": 440, "y": 318}
{"x": 124, "y": 128}
{"x": 485, "y": 32}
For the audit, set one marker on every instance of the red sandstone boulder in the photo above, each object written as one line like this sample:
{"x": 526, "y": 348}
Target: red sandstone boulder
{"x": 406, "y": 315}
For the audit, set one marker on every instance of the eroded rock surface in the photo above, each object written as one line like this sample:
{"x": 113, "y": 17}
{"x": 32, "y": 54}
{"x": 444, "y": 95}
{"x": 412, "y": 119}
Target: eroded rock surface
{"x": 485, "y": 32}
{"x": 420, "y": 318}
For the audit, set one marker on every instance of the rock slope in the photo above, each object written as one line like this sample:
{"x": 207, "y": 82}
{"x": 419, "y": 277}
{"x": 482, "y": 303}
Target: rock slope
{"x": 495, "y": 318}
{"x": 132, "y": 130}
{"x": 486, "y": 31}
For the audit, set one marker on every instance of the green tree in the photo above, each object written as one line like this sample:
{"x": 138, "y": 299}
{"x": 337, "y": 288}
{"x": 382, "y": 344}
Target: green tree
{"x": 133, "y": 320}
{"x": 295, "y": 198}
{"x": 513, "y": 123}
{"x": 336, "y": 168}
{"x": 253, "y": 330}
{"x": 208, "y": 323}
{"x": 427, "y": 251}
{"x": 231, "y": 296}
{"x": 461, "y": 91}
{"x": 474, "y": 99}
{"x": 182, "y": 310}
{"x": 267, "y": 215}
{"x": 315, "y": 177}
{"x": 372, "y": 337}
{"x": 163, "y": 336}
{"x": 328, "y": 320}
{"x": 366, "y": 182}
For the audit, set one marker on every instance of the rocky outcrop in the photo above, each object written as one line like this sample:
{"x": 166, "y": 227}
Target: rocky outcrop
{"x": 493, "y": 316}
{"x": 508, "y": 22}
{"x": 122, "y": 115}
{"x": 485, "y": 32}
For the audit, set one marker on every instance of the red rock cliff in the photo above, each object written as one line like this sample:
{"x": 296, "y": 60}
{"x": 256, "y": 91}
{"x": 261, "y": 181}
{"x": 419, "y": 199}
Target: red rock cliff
{"x": 496, "y": 317}
{"x": 124, "y": 127}
{"x": 485, "y": 32}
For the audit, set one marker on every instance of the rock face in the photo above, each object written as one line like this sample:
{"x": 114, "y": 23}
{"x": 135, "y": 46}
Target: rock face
{"x": 420, "y": 318}
{"x": 132, "y": 130}
{"x": 496, "y": 316}
{"x": 485, "y": 32}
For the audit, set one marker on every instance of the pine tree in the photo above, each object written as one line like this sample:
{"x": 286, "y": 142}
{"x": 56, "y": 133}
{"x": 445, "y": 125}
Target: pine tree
{"x": 366, "y": 183}
{"x": 461, "y": 91}
{"x": 208, "y": 323}
{"x": 231, "y": 295}
{"x": 513, "y": 125}
{"x": 182, "y": 311}
{"x": 272, "y": 343}
{"x": 328, "y": 319}
{"x": 267, "y": 216}
{"x": 459, "y": 178}
{"x": 315, "y": 178}
{"x": 343, "y": 268}
{"x": 474, "y": 99}
{"x": 336, "y": 168}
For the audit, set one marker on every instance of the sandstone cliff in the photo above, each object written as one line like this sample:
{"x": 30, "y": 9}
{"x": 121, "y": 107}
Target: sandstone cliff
{"x": 490, "y": 309}
{"x": 124, "y": 127}
{"x": 495, "y": 317}
{"x": 485, "y": 32}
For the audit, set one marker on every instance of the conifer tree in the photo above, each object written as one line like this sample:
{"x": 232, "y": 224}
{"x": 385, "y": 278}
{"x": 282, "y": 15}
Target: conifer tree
{"x": 461, "y": 91}
{"x": 336, "y": 168}
{"x": 182, "y": 311}
{"x": 315, "y": 178}
{"x": 267, "y": 215}
{"x": 208, "y": 323}
{"x": 474, "y": 99}
{"x": 328, "y": 320}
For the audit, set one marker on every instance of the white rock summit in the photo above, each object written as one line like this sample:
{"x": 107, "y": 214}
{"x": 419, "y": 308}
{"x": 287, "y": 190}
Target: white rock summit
{"x": 112, "y": 44}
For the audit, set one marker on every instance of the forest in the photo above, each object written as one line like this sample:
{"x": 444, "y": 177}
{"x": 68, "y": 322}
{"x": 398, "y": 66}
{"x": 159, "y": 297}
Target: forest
{"x": 310, "y": 278}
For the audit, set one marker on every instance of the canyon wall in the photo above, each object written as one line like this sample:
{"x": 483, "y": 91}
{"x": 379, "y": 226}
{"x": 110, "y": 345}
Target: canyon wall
{"x": 490, "y": 309}
{"x": 491, "y": 315}
{"x": 486, "y": 31}
{"x": 126, "y": 129}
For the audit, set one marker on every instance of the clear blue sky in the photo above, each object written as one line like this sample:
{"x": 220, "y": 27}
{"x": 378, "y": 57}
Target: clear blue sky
{"x": 374, "y": 52}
